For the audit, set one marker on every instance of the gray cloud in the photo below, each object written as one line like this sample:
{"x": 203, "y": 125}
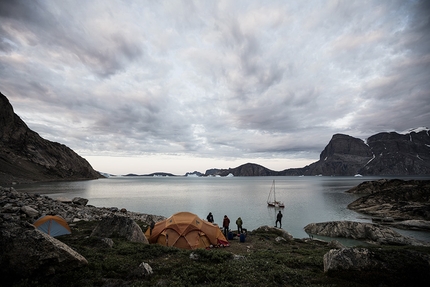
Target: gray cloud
{"x": 225, "y": 79}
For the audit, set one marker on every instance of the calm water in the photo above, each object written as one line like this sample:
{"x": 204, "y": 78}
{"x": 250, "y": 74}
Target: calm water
{"x": 307, "y": 199}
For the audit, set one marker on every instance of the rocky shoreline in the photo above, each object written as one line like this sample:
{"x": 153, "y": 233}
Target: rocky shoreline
{"x": 399, "y": 203}
{"x": 22, "y": 206}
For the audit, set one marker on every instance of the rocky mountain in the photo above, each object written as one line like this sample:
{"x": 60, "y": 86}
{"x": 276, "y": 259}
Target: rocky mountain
{"x": 27, "y": 157}
{"x": 382, "y": 154}
{"x": 387, "y": 153}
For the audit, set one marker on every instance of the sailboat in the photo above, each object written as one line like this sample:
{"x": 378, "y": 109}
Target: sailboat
{"x": 271, "y": 199}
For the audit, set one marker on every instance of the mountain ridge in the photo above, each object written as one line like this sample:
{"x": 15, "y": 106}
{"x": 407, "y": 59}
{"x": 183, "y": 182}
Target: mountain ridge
{"x": 26, "y": 157}
{"x": 382, "y": 154}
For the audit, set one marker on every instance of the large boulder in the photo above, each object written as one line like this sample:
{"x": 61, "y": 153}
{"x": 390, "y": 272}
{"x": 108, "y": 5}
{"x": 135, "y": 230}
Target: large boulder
{"x": 369, "y": 232}
{"x": 28, "y": 252}
{"x": 358, "y": 259}
{"x": 118, "y": 225}
{"x": 376, "y": 267}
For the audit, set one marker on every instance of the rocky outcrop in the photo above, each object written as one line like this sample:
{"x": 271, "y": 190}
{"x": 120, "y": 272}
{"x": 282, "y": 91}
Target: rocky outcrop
{"x": 378, "y": 267}
{"x": 28, "y": 252}
{"x": 274, "y": 230}
{"x": 371, "y": 233}
{"x": 27, "y": 157}
{"x": 397, "y": 199}
{"x": 120, "y": 226}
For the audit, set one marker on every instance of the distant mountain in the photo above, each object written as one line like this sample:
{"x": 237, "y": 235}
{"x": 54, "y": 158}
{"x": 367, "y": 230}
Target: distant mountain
{"x": 389, "y": 154}
{"x": 248, "y": 169}
{"x": 382, "y": 154}
{"x": 27, "y": 157}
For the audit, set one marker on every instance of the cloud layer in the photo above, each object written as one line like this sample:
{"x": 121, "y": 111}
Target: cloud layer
{"x": 215, "y": 79}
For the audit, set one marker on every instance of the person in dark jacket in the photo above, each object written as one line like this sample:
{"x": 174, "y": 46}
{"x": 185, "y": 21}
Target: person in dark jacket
{"x": 239, "y": 223}
{"x": 279, "y": 219}
{"x": 210, "y": 217}
{"x": 225, "y": 224}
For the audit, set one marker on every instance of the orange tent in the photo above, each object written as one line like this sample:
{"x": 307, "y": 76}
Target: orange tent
{"x": 186, "y": 230}
{"x": 53, "y": 225}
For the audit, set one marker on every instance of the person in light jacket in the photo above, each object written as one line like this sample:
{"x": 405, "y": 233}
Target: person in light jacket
{"x": 239, "y": 223}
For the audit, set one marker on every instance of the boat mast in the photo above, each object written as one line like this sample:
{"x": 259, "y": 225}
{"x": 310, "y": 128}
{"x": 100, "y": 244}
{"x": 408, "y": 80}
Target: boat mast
{"x": 274, "y": 193}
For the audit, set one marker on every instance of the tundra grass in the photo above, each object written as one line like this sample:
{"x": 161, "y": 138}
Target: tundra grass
{"x": 260, "y": 261}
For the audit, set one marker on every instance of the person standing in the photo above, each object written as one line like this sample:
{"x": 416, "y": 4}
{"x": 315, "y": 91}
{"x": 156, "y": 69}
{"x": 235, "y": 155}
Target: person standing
{"x": 225, "y": 224}
{"x": 279, "y": 219}
{"x": 210, "y": 217}
{"x": 239, "y": 223}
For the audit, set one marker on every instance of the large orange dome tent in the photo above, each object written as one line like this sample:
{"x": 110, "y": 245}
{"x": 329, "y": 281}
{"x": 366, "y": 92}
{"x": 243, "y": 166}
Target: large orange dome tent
{"x": 186, "y": 230}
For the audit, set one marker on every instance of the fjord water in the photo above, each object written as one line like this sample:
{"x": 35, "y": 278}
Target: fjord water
{"x": 307, "y": 199}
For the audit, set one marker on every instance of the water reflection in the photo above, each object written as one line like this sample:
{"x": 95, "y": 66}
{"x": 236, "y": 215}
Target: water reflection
{"x": 307, "y": 199}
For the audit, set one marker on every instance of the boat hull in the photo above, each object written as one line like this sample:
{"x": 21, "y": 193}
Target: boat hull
{"x": 275, "y": 204}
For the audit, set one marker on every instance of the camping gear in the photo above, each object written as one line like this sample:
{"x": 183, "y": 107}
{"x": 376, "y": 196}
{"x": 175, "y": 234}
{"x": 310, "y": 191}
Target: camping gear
{"x": 272, "y": 202}
{"x": 53, "y": 225}
{"x": 187, "y": 231}
{"x": 242, "y": 237}
{"x": 230, "y": 235}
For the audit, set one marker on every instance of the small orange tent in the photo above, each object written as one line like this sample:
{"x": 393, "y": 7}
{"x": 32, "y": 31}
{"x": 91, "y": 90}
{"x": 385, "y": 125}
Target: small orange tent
{"x": 53, "y": 225}
{"x": 186, "y": 230}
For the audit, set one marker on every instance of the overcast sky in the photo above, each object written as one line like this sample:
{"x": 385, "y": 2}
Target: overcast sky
{"x": 178, "y": 86}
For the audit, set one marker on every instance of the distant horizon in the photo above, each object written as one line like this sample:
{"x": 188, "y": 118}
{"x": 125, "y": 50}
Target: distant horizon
{"x": 141, "y": 169}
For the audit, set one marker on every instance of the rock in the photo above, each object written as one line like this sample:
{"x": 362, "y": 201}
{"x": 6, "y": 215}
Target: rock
{"x": 350, "y": 259}
{"x": 64, "y": 200}
{"x": 413, "y": 224}
{"x": 369, "y": 232}
{"x": 378, "y": 267}
{"x": 120, "y": 226}
{"x": 281, "y": 232}
{"x": 143, "y": 270}
{"x": 334, "y": 244}
{"x": 28, "y": 252}
{"x": 31, "y": 212}
{"x": 239, "y": 257}
{"x": 108, "y": 242}
{"x": 80, "y": 201}
{"x": 279, "y": 239}
{"x": 194, "y": 256}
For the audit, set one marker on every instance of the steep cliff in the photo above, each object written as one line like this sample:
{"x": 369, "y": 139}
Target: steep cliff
{"x": 27, "y": 157}
{"x": 382, "y": 154}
